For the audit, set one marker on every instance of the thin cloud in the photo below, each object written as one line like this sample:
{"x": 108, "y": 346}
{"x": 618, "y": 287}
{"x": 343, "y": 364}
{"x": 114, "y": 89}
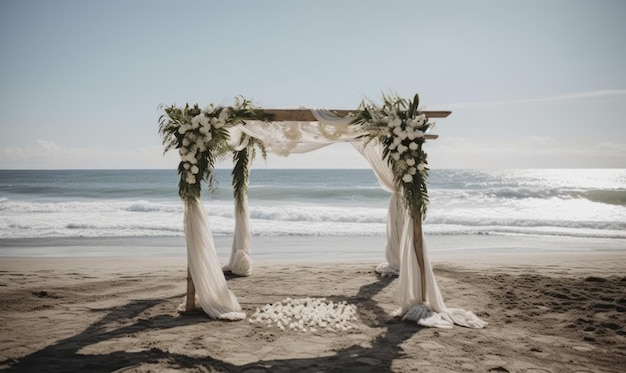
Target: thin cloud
{"x": 47, "y": 154}
{"x": 527, "y": 152}
{"x": 565, "y": 97}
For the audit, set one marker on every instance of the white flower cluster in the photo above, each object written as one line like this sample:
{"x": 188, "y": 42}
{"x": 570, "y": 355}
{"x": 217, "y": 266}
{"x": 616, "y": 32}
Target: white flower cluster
{"x": 307, "y": 314}
{"x": 406, "y": 138}
{"x": 197, "y": 137}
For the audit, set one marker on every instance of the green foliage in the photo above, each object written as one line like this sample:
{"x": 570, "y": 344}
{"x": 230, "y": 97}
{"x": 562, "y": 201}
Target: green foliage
{"x": 241, "y": 170}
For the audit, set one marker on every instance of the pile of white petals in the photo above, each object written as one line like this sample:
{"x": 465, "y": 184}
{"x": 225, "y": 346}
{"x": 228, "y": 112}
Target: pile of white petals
{"x": 307, "y": 315}
{"x": 405, "y": 141}
{"x": 197, "y": 137}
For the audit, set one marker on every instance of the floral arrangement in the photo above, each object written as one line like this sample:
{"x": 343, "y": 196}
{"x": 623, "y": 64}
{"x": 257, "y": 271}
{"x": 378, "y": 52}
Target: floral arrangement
{"x": 400, "y": 127}
{"x": 201, "y": 137}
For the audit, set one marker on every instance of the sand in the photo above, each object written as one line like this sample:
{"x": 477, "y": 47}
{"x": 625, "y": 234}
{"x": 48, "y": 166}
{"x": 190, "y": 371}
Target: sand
{"x": 551, "y": 313}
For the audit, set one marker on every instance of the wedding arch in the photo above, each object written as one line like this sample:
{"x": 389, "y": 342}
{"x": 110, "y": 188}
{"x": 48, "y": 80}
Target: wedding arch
{"x": 390, "y": 136}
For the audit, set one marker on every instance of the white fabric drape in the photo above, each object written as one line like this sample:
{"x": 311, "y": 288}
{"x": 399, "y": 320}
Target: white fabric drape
{"x": 284, "y": 138}
{"x": 211, "y": 289}
{"x": 240, "y": 262}
{"x": 410, "y": 289}
{"x": 373, "y": 153}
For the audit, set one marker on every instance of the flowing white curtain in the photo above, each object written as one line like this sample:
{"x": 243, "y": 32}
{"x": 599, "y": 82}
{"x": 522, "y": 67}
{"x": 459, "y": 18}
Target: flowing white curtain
{"x": 211, "y": 289}
{"x": 410, "y": 288}
{"x": 240, "y": 262}
{"x": 373, "y": 153}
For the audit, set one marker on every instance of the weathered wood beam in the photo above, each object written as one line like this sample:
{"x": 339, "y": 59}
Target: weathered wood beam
{"x": 304, "y": 115}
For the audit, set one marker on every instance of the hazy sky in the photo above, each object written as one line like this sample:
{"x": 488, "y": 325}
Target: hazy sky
{"x": 530, "y": 83}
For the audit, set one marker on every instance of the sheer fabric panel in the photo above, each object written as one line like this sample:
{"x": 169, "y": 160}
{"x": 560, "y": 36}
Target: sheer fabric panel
{"x": 211, "y": 289}
{"x": 240, "y": 262}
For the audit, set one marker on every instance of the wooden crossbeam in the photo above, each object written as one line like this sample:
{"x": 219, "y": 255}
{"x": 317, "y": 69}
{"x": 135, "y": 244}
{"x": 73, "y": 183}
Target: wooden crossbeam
{"x": 305, "y": 115}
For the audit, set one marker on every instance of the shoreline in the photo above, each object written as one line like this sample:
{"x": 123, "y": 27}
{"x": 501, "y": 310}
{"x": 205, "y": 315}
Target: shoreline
{"x": 265, "y": 249}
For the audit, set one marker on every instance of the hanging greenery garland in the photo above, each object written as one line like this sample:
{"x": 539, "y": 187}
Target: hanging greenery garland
{"x": 241, "y": 171}
{"x": 400, "y": 127}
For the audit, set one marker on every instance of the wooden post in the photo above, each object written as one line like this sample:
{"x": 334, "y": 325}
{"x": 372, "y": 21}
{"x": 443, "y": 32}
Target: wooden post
{"x": 191, "y": 293}
{"x": 418, "y": 247}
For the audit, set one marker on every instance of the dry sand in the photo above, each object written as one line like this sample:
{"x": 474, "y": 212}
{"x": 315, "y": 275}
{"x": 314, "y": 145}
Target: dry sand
{"x": 545, "y": 314}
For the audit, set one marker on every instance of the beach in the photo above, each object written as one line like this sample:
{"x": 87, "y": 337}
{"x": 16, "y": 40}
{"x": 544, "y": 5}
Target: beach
{"x": 551, "y": 312}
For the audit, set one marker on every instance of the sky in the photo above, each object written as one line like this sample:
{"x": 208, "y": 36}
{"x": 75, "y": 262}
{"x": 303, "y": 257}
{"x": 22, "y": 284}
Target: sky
{"x": 531, "y": 84}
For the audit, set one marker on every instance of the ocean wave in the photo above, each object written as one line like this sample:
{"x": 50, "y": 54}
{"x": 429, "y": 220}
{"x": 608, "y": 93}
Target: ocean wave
{"x": 304, "y": 193}
{"x": 503, "y": 194}
{"x": 319, "y": 214}
{"x": 225, "y": 228}
{"x": 89, "y": 206}
{"x": 145, "y": 206}
{"x": 527, "y": 223}
{"x": 612, "y": 197}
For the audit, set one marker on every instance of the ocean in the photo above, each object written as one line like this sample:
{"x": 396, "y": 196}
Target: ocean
{"x": 103, "y": 212}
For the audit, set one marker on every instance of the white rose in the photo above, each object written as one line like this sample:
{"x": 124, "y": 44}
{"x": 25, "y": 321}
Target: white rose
{"x": 219, "y": 124}
{"x": 186, "y": 141}
{"x": 208, "y": 109}
{"x": 195, "y": 169}
{"x": 412, "y": 170}
{"x": 419, "y": 134}
{"x": 397, "y": 131}
{"x": 186, "y": 165}
{"x": 397, "y": 141}
{"x": 403, "y": 135}
{"x": 396, "y": 122}
{"x": 195, "y": 121}
{"x": 204, "y": 121}
{"x": 413, "y": 146}
{"x": 190, "y": 179}
{"x": 224, "y": 114}
{"x": 402, "y": 149}
{"x": 182, "y": 151}
{"x": 393, "y": 145}
{"x": 411, "y": 135}
{"x": 407, "y": 178}
{"x": 396, "y": 156}
{"x": 388, "y": 120}
{"x": 410, "y": 162}
{"x": 191, "y": 158}
{"x": 182, "y": 129}
{"x": 421, "y": 166}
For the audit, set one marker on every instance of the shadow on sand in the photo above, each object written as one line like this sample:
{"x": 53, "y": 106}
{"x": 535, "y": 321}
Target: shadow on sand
{"x": 64, "y": 355}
